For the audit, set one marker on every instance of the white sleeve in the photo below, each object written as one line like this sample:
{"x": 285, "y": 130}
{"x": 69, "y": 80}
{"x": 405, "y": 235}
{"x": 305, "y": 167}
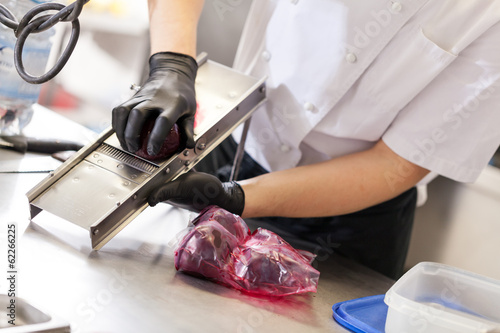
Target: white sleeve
{"x": 454, "y": 123}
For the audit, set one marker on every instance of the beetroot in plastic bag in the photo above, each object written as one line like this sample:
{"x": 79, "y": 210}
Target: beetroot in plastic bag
{"x": 232, "y": 223}
{"x": 205, "y": 250}
{"x": 221, "y": 247}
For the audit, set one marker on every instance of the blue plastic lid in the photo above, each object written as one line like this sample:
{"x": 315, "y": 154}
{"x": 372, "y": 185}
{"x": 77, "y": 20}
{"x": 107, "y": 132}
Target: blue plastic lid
{"x": 362, "y": 315}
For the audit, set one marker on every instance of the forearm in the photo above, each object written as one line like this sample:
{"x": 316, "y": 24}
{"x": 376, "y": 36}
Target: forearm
{"x": 173, "y": 25}
{"x": 339, "y": 186}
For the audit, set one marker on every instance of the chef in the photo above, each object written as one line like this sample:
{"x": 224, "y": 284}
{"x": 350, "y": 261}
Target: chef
{"x": 368, "y": 101}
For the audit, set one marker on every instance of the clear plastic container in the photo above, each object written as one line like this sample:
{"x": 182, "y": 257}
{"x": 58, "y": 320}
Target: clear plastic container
{"x": 436, "y": 298}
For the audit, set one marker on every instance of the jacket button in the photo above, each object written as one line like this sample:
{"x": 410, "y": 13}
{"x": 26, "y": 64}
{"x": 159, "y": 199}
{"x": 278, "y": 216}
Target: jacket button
{"x": 285, "y": 148}
{"x": 266, "y": 55}
{"x": 351, "y": 57}
{"x": 308, "y": 106}
{"x": 396, "y": 6}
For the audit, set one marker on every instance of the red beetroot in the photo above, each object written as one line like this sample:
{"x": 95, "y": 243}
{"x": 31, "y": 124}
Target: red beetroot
{"x": 170, "y": 145}
{"x": 206, "y": 251}
{"x": 232, "y": 223}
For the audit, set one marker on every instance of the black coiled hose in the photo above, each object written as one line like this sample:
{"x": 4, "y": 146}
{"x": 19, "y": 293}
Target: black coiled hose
{"x": 29, "y": 24}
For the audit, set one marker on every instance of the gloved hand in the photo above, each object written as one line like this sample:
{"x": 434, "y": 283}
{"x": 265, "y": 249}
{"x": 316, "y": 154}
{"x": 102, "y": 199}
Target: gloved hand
{"x": 167, "y": 94}
{"x": 197, "y": 190}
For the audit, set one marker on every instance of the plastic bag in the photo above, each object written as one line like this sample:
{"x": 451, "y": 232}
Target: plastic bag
{"x": 220, "y": 247}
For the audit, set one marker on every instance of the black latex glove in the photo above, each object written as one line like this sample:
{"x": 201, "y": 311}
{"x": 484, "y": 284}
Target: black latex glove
{"x": 167, "y": 94}
{"x": 197, "y": 190}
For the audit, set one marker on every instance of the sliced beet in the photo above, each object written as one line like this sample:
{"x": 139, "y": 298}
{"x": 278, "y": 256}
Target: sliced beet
{"x": 170, "y": 145}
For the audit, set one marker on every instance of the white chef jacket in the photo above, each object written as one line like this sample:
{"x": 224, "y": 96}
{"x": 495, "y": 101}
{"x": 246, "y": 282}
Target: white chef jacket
{"x": 422, "y": 75}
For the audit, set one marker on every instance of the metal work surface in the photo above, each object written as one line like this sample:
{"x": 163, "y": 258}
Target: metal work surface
{"x": 103, "y": 188}
{"x": 131, "y": 284}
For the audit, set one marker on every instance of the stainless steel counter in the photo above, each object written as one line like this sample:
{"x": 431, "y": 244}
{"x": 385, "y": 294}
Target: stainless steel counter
{"x": 131, "y": 284}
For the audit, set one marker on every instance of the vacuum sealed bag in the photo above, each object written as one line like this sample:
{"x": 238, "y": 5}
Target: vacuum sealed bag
{"x": 221, "y": 247}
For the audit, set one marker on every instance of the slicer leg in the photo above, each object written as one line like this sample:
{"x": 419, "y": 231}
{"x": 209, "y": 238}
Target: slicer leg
{"x": 34, "y": 211}
{"x": 239, "y": 152}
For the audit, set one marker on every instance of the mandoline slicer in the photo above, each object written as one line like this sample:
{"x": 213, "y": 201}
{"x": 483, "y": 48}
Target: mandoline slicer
{"x": 102, "y": 187}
